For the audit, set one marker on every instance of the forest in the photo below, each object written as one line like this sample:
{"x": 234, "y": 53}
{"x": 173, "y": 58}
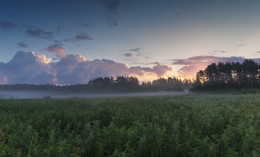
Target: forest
{"x": 228, "y": 75}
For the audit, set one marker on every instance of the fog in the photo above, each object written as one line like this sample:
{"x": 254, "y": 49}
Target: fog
{"x": 51, "y": 94}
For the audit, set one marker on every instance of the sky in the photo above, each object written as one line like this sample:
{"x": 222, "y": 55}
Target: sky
{"x": 73, "y": 41}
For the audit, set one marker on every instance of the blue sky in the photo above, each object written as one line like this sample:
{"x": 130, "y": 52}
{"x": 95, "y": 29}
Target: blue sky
{"x": 138, "y": 33}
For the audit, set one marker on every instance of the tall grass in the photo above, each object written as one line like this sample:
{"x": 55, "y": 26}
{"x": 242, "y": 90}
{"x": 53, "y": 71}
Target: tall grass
{"x": 149, "y": 126}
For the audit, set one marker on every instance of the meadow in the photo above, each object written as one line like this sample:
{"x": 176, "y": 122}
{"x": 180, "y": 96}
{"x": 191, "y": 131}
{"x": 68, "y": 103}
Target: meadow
{"x": 188, "y": 125}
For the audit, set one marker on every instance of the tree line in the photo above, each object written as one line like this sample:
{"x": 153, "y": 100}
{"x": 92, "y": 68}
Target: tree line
{"x": 229, "y": 75}
{"x": 107, "y": 84}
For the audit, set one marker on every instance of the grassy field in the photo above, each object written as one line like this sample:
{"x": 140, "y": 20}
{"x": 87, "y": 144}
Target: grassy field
{"x": 192, "y": 125}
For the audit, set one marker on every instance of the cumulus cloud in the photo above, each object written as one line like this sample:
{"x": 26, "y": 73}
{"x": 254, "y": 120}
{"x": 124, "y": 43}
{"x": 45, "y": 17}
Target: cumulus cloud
{"x": 158, "y": 70}
{"x": 76, "y": 69}
{"x": 192, "y": 65}
{"x": 57, "y": 48}
{"x": 36, "y": 32}
{"x": 6, "y": 25}
{"x": 28, "y": 67}
{"x": 80, "y": 37}
{"x": 22, "y": 45}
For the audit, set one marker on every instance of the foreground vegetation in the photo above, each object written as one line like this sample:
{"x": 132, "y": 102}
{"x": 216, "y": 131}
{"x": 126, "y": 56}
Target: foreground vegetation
{"x": 206, "y": 125}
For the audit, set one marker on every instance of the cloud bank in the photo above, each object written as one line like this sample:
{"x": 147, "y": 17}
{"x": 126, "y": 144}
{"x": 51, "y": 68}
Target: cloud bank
{"x": 192, "y": 65}
{"x": 31, "y": 68}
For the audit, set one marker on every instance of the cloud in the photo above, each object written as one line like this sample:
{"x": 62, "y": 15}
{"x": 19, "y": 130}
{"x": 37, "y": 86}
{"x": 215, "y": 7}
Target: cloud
{"x": 22, "y": 45}
{"x": 192, "y": 65}
{"x": 135, "y": 50}
{"x": 154, "y": 63}
{"x": 215, "y": 52}
{"x": 6, "y": 25}
{"x": 26, "y": 67}
{"x": 158, "y": 70}
{"x": 30, "y": 68}
{"x": 74, "y": 69}
{"x": 128, "y": 55}
{"x": 132, "y": 52}
{"x": 36, "y": 32}
{"x": 80, "y": 37}
{"x": 112, "y": 7}
{"x": 57, "y": 48}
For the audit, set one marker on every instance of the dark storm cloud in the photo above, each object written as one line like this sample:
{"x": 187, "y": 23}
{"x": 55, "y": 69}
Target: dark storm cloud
{"x": 192, "y": 65}
{"x": 80, "y": 37}
{"x": 6, "y": 25}
{"x": 22, "y": 45}
{"x": 30, "y": 68}
{"x": 36, "y": 32}
{"x": 57, "y": 49}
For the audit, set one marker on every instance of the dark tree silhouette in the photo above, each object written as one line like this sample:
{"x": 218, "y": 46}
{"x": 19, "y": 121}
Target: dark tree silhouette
{"x": 228, "y": 75}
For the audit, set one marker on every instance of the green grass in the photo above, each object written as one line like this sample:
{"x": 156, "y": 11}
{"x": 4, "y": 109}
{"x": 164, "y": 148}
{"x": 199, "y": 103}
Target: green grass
{"x": 208, "y": 125}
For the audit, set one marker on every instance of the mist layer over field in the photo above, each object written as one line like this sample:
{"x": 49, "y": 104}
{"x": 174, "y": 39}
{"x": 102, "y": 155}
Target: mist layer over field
{"x": 59, "y": 94}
